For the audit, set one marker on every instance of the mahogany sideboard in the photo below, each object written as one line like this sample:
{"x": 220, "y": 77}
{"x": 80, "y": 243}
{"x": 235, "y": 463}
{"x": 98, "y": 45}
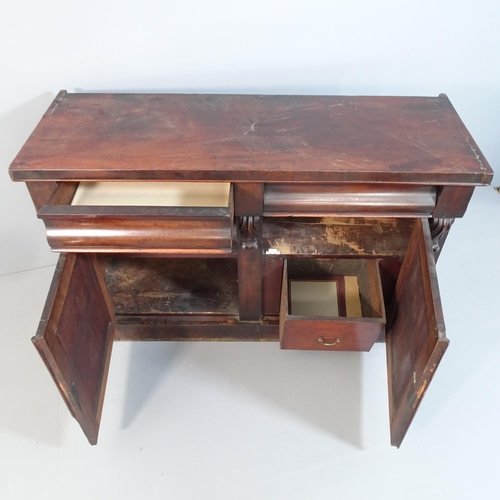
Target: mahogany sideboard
{"x": 312, "y": 221}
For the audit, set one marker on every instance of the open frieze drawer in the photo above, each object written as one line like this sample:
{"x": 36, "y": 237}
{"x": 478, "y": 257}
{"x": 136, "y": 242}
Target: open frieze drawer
{"x": 160, "y": 217}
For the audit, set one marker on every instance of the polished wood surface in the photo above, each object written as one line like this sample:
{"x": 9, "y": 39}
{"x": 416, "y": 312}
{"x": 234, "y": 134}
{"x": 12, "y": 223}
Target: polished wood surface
{"x": 332, "y": 185}
{"x": 416, "y": 339}
{"x": 251, "y": 138}
{"x": 135, "y": 229}
{"x": 75, "y": 336}
{"x": 349, "y": 199}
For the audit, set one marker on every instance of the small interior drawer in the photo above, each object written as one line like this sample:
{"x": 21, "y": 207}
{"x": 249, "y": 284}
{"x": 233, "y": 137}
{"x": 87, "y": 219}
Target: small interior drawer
{"x": 160, "y": 217}
{"x": 331, "y": 304}
{"x": 329, "y": 199}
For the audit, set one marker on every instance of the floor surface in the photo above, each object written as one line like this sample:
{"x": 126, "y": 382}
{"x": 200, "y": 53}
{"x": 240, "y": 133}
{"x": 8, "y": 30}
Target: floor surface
{"x": 248, "y": 421}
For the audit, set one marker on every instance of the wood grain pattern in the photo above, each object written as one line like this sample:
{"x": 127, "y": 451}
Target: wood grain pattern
{"x": 252, "y": 138}
{"x": 353, "y": 334}
{"x": 416, "y": 339}
{"x": 272, "y": 277}
{"x": 74, "y": 339}
{"x": 349, "y": 199}
{"x": 185, "y": 287}
{"x": 248, "y": 199}
{"x": 136, "y": 229}
{"x": 40, "y": 192}
{"x": 132, "y": 229}
{"x": 319, "y": 184}
{"x": 248, "y": 207}
{"x": 202, "y": 331}
{"x": 337, "y": 236}
{"x": 452, "y": 201}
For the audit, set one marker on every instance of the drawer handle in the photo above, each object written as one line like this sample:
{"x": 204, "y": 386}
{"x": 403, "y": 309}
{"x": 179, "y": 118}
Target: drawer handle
{"x": 324, "y": 341}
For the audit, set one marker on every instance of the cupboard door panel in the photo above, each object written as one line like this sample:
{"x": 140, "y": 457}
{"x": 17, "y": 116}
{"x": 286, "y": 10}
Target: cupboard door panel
{"x": 75, "y": 336}
{"x": 416, "y": 339}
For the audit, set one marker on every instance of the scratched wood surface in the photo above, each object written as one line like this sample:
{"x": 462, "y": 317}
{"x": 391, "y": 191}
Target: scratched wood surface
{"x": 75, "y": 337}
{"x": 253, "y": 138}
{"x": 337, "y": 236}
{"x": 412, "y": 359}
{"x": 150, "y": 286}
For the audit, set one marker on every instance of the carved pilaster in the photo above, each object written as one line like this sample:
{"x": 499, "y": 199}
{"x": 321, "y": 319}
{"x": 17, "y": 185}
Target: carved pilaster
{"x": 439, "y": 231}
{"x": 249, "y": 227}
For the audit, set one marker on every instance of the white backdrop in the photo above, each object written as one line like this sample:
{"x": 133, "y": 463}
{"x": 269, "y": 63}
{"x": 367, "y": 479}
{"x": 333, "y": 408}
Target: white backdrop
{"x": 263, "y": 46}
{"x": 239, "y": 420}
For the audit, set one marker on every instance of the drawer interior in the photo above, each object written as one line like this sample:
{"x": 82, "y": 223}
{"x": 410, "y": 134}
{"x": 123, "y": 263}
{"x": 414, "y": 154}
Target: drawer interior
{"x": 347, "y": 288}
{"x": 161, "y": 194}
{"x": 339, "y": 299}
{"x": 334, "y": 296}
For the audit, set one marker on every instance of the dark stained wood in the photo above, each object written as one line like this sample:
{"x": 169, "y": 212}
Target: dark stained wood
{"x": 63, "y": 194}
{"x": 185, "y": 287}
{"x": 249, "y": 201}
{"x": 252, "y": 138}
{"x": 75, "y": 336}
{"x": 481, "y": 160}
{"x": 337, "y": 236}
{"x": 319, "y": 185}
{"x": 271, "y": 285}
{"x": 250, "y": 284}
{"x": 333, "y": 334}
{"x": 132, "y": 229}
{"x": 452, "y": 201}
{"x": 440, "y": 229}
{"x": 389, "y": 271}
{"x": 40, "y": 192}
{"x": 265, "y": 331}
{"x": 249, "y": 198}
{"x": 135, "y": 229}
{"x": 416, "y": 339}
{"x": 349, "y": 199}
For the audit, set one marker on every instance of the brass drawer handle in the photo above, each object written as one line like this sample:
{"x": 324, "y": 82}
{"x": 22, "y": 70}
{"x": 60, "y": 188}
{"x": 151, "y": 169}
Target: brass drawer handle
{"x": 324, "y": 341}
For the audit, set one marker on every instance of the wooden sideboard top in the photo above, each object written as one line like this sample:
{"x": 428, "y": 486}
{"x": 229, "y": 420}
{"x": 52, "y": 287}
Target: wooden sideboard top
{"x": 255, "y": 138}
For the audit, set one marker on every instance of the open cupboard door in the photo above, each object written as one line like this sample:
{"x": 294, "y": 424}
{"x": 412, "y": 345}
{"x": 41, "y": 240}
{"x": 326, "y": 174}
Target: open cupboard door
{"x": 75, "y": 336}
{"x": 416, "y": 339}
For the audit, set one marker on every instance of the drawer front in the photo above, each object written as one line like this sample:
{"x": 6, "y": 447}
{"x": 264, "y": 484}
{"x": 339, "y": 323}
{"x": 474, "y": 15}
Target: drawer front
{"x": 322, "y": 310}
{"x": 349, "y": 199}
{"x": 79, "y": 220}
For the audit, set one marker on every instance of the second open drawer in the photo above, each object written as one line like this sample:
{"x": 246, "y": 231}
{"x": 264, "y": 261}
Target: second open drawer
{"x": 331, "y": 304}
{"x": 159, "y": 217}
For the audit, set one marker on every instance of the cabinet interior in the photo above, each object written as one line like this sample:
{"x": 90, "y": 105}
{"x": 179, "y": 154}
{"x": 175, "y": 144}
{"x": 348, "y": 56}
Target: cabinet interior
{"x": 155, "y": 287}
